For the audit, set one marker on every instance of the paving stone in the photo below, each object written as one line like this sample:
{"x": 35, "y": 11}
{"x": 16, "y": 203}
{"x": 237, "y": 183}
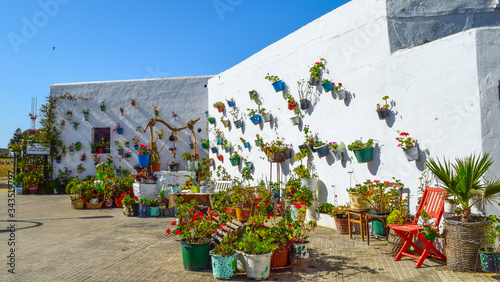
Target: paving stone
{"x": 57, "y": 243}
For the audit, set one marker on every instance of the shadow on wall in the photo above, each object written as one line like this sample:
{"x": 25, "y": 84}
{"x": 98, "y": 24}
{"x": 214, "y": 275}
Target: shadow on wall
{"x": 322, "y": 192}
{"x": 374, "y": 164}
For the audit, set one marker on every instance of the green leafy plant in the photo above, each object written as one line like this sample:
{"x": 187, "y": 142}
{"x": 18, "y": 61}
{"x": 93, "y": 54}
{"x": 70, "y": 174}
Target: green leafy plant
{"x": 272, "y": 78}
{"x": 463, "y": 181}
{"x": 405, "y": 141}
{"x": 358, "y": 144}
{"x": 194, "y": 226}
{"x": 325, "y": 208}
{"x": 316, "y": 69}
{"x": 385, "y": 105}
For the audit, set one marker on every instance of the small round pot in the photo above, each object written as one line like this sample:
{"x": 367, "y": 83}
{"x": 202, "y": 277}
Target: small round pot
{"x": 383, "y": 114}
{"x": 279, "y": 257}
{"x": 301, "y": 250}
{"x": 292, "y": 105}
{"x": 279, "y": 86}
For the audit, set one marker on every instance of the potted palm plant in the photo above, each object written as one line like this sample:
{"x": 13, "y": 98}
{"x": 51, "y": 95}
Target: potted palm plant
{"x": 463, "y": 180}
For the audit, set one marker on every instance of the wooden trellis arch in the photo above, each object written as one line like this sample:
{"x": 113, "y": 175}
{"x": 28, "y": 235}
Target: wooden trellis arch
{"x": 153, "y": 150}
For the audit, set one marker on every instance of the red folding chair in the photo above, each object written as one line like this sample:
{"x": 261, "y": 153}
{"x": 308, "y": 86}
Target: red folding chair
{"x": 433, "y": 203}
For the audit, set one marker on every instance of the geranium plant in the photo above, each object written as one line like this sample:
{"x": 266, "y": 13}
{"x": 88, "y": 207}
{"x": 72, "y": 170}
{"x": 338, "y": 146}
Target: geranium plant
{"x": 195, "y": 227}
{"x": 316, "y": 69}
{"x": 405, "y": 141}
{"x": 143, "y": 150}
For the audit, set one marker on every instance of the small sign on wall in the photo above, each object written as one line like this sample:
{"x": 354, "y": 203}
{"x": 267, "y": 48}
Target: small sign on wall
{"x": 36, "y": 148}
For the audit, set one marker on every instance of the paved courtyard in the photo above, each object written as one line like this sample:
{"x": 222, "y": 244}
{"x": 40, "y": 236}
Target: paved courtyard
{"x": 56, "y": 243}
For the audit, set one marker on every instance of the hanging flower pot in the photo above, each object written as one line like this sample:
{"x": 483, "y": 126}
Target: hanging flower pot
{"x": 103, "y": 108}
{"x": 132, "y": 102}
{"x": 303, "y": 146}
{"x": 191, "y": 145}
{"x": 411, "y": 153}
{"x": 314, "y": 81}
{"x": 340, "y": 94}
{"x": 230, "y": 103}
{"x": 80, "y": 170}
{"x": 287, "y": 154}
{"x": 205, "y": 144}
{"x": 220, "y": 109}
{"x": 383, "y": 114}
{"x": 249, "y": 165}
{"x": 322, "y": 150}
{"x": 58, "y": 161}
{"x": 276, "y": 157}
{"x": 327, "y": 85}
{"x": 173, "y": 166}
{"x": 295, "y": 120}
{"x": 246, "y": 144}
{"x": 301, "y": 250}
{"x": 214, "y": 150}
{"x": 171, "y": 137}
{"x": 225, "y": 123}
{"x": 235, "y": 161}
{"x": 211, "y": 120}
{"x": 100, "y": 150}
{"x": 119, "y": 131}
{"x": 256, "y": 119}
{"x": 143, "y": 160}
{"x": 279, "y": 85}
{"x": 136, "y": 147}
{"x": 75, "y": 127}
{"x": 363, "y": 155}
{"x": 220, "y": 157}
{"x": 156, "y": 166}
{"x": 86, "y": 117}
{"x": 266, "y": 117}
{"x": 227, "y": 149}
{"x": 292, "y": 105}
{"x": 238, "y": 123}
{"x": 304, "y": 104}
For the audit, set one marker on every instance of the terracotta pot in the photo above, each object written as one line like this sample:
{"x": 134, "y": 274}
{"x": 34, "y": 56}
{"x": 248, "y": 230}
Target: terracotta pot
{"x": 132, "y": 103}
{"x": 241, "y": 213}
{"x": 156, "y": 166}
{"x": 118, "y": 202}
{"x": 279, "y": 257}
{"x": 220, "y": 157}
{"x": 292, "y": 105}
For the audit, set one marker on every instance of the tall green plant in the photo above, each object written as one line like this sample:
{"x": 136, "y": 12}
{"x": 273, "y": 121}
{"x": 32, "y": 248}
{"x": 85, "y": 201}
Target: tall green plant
{"x": 462, "y": 181}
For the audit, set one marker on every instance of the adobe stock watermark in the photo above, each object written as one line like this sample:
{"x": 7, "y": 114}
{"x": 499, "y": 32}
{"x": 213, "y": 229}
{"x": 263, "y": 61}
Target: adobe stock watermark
{"x": 31, "y": 26}
{"x": 156, "y": 72}
{"x": 223, "y": 6}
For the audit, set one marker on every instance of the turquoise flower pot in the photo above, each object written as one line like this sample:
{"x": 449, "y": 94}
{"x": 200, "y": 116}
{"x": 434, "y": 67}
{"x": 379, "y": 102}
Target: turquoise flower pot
{"x": 223, "y": 267}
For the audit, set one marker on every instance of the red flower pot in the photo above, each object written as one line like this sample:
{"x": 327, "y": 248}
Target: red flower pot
{"x": 132, "y": 103}
{"x": 292, "y": 105}
{"x": 221, "y": 109}
{"x": 156, "y": 166}
{"x": 220, "y": 157}
{"x": 100, "y": 150}
{"x": 118, "y": 202}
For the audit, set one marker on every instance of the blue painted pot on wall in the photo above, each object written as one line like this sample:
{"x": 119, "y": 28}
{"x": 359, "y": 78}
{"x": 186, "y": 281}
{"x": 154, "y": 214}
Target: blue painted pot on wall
{"x": 136, "y": 147}
{"x": 256, "y": 119}
{"x": 119, "y": 131}
{"x": 322, "y": 150}
{"x": 246, "y": 144}
{"x": 143, "y": 160}
{"x": 279, "y": 85}
{"x": 327, "y": 86}
{"x": 230, "y": 103}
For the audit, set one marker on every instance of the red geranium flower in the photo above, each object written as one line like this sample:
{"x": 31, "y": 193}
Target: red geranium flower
{"x": 173, "y": 223}
{"x": 298, "y": 206}
{"x": 168, "y": 231}
{"x": 303, "y": 202}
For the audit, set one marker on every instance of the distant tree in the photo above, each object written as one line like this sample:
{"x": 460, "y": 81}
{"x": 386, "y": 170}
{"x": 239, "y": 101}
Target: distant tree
{"x": 18, "y": 136}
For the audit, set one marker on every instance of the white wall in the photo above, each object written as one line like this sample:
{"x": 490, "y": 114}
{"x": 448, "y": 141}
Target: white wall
{"x": 186, "y": 96}
{"x": 434, "y": 87}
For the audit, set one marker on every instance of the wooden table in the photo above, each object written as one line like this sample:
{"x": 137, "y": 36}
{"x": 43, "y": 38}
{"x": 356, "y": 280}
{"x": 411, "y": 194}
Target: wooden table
{"x": 360, "y": 219}
{"x": 199, "y": 197}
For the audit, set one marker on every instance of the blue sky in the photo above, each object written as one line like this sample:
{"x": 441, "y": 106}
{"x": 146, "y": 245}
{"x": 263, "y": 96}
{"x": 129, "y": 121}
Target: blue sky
{"x": 117, "y": 40}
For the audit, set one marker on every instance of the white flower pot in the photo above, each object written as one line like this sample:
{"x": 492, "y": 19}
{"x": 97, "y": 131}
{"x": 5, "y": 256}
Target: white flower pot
{"x": 340, "y": 94}
{"x": 301, "y": 251}
{"x": 258, "y": 266}
{"x": 412, "y": 153}
{"x": 449, "y": 207}
{"x": 94, "y": 201}
{"x": 266, "y": 117}
{"x": 295, "y": 120}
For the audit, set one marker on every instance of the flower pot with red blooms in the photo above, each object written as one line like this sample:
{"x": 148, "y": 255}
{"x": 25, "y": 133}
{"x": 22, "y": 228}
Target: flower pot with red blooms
{"x": 291, "y": 105}
{"x": 143, "y": 156}
{"x": 409, "y": 146}
{"x": 132, "y": 102}
{"x": 339, "y": 90}
{"x": 315, "y": 73}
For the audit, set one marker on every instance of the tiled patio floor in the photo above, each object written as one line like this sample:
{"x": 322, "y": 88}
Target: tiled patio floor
{"x": 57, "y": 243}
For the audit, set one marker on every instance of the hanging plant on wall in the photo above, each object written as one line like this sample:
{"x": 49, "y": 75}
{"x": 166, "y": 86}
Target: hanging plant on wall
{"x": 305, "y": 91}
{"x": 75, "y": 125}
{"x": 327, "y": 85}
{"x": 409, "y": 146}
{"x": 362, "y": 151}
{"x": 155, "y": 110}
{"x": 339, "y": 90}
{"x": 254, "y": 116}
{"x": 291, "y": 101}
{"x": 219, "y": 106}
{"x": 103, "y": 106}
{"x": 278, "y": 84}
{"x": 315, "y": 72}
{"x": 86, "y": 114}
{"x": 383, "y": 109}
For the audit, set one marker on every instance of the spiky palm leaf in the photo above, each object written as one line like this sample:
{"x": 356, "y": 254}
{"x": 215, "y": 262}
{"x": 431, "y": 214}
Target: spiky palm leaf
{"x": 463, "y": 180}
